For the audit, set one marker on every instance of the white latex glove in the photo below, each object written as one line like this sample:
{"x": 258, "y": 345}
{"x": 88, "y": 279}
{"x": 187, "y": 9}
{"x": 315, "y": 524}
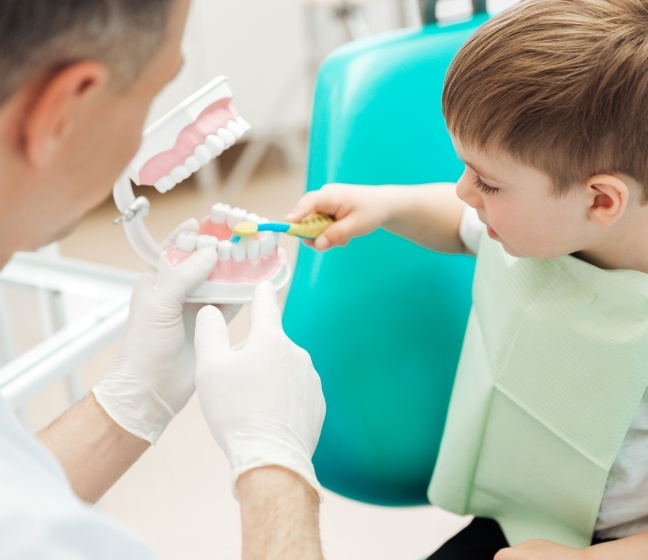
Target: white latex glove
{"x": 262, "y": 400}
{"x": 153, "y": 377}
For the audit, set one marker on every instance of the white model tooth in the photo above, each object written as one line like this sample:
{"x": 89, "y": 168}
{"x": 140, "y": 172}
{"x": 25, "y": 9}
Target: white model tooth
{"x": 265, "y": 244}
{"x": 243, "y": 124}
{"x": 206, "y": 241}
{"x": 192, "y": 164}
{"x": 238, "y": 252}
{"x": 254, "y": 218}
{"x": 253, "y": 250}
{"x": 215, "y": 145}
{"x": 224, "y": 249}
{"x": 235, "y": 129}
{"x": 165, "y": 184}
{"x": 226, "y": 136}
{"x": 202, "y": 154}
{"x": 235, "y": 216}
{"x": 186, "y": 241}
{"x": 180, "y": 173}
{"x": 274, "y": 241}
{"x": 219, "y": 212}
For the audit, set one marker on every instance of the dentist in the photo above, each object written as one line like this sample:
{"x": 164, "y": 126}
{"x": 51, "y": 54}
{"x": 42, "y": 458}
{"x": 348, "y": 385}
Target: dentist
{"x": 78, "y": 77}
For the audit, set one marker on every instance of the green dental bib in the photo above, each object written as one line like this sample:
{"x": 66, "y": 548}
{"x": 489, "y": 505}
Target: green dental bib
{"x": 553, "y": 367}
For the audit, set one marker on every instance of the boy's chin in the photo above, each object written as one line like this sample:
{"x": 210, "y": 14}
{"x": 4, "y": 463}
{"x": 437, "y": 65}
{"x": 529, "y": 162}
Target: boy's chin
{"x": 511, "y": 251}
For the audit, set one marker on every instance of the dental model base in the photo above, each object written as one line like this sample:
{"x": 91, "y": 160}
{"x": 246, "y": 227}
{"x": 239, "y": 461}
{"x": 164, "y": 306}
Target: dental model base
{"x": 309, "y": 228}
{"x": 173, "y": 148}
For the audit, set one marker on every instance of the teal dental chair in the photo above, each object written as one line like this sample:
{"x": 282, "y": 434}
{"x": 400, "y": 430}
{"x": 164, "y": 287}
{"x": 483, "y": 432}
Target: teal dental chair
{"x": 383, "y": 319}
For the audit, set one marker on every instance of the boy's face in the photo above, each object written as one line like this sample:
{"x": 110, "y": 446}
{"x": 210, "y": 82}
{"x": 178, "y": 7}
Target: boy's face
{"x": 518, "y": 206}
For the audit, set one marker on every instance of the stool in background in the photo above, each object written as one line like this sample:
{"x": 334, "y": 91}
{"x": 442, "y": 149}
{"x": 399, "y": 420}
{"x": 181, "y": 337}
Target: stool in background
{"x": 350, "y": 19}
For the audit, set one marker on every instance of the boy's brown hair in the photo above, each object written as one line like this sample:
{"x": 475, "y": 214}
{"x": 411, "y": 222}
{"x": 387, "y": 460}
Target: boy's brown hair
{"x": 561, "y": 85}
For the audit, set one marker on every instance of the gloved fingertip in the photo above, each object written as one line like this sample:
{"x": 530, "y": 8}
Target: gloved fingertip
{"x": 190, "y": 224}
{"x": 264, "y": 303}
{"x": 266, "y": 293}
{"x": 146, "y": 282}
{"x": 208, "y": 255}
{"x": 211, "y": 331}
{"x": 206, "y": 314}
{"x": 265, "y": 286}
{"x": 187, "y": 276}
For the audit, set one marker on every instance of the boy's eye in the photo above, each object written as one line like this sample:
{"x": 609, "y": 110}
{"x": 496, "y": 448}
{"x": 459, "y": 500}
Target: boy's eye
{"x": 483, "y": 187}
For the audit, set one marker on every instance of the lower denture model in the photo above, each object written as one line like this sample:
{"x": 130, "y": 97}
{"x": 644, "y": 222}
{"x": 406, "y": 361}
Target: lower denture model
{"x": 175, "y": 147}
{"x": 239, "y": 266}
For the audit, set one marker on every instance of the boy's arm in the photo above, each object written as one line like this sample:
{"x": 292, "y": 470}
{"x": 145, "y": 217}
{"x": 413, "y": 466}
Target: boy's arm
{"x": 629, "y": 548}
{"x": 428, "y": 214}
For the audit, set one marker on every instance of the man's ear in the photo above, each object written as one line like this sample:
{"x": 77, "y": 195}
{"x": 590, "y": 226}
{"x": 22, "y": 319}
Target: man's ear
{"x": 608, "y": 198}
{"x": 57, "y": 105}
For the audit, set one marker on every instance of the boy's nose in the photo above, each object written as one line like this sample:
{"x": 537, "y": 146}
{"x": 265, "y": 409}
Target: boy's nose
{"x": 467, "y": 192}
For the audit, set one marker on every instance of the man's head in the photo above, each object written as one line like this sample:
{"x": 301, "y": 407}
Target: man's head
{"x": 78, "y": 78}
{"x": 559, "y": 85}
{"x": 37, "y": 37}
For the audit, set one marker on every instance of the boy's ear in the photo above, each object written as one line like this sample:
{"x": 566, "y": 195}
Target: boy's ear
{"x": 56, "y": 107}
{"x": 608, "y": 199}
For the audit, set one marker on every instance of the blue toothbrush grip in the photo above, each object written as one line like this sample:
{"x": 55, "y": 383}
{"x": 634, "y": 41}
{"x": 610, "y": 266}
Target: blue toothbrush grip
{"x": 278, "y": 227}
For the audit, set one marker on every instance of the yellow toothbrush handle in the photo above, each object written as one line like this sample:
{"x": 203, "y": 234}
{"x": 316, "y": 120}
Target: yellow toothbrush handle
{"x": 310, "y": 227}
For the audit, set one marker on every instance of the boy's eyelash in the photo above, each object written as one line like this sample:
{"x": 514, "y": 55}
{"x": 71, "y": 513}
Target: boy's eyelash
{"x": 486, "y": 189}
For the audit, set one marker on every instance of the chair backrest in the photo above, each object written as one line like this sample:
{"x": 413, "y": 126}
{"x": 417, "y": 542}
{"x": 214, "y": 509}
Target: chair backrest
{"x": 383, "y": 319}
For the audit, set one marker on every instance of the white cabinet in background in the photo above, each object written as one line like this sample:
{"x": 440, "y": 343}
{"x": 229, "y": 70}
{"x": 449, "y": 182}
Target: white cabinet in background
{"x": 258, "y": 45}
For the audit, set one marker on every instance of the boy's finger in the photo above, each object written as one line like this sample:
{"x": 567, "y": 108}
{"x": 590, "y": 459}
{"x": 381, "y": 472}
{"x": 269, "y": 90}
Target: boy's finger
{"x": 337, "y": 234}
{"x": 314, "y": 201}
{"x": 322, "y": 243}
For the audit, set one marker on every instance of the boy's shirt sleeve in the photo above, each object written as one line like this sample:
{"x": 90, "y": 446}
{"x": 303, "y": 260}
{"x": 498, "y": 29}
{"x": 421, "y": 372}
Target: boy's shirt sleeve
{"x": 471, "y": 229}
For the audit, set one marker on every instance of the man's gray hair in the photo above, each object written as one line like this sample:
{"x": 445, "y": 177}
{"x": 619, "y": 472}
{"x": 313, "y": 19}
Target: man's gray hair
{"x": 41, "y": 35}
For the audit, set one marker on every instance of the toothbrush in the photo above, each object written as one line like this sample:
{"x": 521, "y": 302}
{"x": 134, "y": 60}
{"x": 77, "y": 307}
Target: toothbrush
{"x": 309, "y": 228}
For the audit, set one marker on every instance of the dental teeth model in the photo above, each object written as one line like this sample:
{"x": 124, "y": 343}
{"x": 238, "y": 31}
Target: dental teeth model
{"x": 175, "y": 147}
{"x": 239, "y": 266}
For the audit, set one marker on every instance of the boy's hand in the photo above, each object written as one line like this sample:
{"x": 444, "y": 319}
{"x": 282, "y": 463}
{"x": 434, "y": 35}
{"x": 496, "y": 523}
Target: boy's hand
{"x": 541, "y": 550}
{"x": 358, "y": 210}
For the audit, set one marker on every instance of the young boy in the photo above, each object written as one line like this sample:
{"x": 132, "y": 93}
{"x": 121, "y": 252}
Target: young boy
{"x": 547, "y": 432}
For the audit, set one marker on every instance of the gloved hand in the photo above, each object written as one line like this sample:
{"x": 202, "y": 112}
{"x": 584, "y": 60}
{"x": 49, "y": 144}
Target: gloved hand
{"x": 153, "y": 377}
{"x": 262, "y": 400}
